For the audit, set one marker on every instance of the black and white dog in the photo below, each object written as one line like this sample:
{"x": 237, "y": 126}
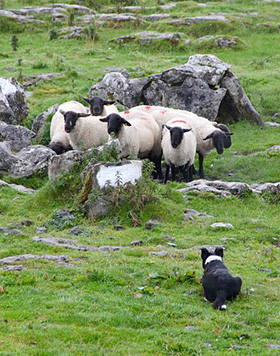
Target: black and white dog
{"x": 218, "y": 283}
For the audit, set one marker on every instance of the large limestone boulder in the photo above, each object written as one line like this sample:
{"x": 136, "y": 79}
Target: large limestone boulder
{"x": 16, "y": 136}
{"x": 204, "y": 85}
{"x": 13, "y": 106}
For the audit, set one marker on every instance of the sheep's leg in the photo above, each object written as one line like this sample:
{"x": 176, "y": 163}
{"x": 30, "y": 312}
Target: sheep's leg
{"x": 190, "y": 171}
{"x": 186, "y": 171}
{"x": 193, "y": 170}
{"x": 166, "y": 173}
{"x": 157, "y": 162}
{"x": 173, "y": 172}
{"x": 201, "y": 171}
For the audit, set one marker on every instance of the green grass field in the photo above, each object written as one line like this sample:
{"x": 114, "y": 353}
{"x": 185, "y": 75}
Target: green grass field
{"x": 131, "y": 302}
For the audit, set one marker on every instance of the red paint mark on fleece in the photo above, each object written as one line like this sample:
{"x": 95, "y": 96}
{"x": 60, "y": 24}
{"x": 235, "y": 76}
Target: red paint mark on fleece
{"x": 163, "y": 111}
{"x": 127, "y": 112}
{"x": 173, "y": 122}
{"x": 147, "y": 107}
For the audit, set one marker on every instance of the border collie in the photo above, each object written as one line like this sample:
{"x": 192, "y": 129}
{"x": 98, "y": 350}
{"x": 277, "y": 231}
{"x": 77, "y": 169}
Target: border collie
{"x": 218, "y": 283}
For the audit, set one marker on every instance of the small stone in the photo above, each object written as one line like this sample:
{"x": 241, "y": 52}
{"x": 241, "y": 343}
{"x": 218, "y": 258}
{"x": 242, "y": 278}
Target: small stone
{"x": 171, "y": 239}
{"x": 151, "y": 224}
{"x": 109, "y": 248}
{"x": 171, "y": 244}
{"x": 41, "y": 230}
{"x": 160, "y": 253}
{"x": 15, "y": 225}
{"x": 266, "y": 270}
{"x": 221, "y": 226}
{"x": 27, "y": 223}
{"x": 136, "y": 243}
{"x": 274, "y": 346}
{"x": 15, "y": 232}
{"x": 76, "y": 230}
{"x": 4, "y": 230}
{"x": 189, "y": 327}
{"x": 119, "y": 227}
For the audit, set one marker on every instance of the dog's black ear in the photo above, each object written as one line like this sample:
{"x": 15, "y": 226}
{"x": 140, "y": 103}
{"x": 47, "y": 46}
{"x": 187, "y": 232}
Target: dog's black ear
{"x": 219, "y": 251}
{"x": 204, "y": 253}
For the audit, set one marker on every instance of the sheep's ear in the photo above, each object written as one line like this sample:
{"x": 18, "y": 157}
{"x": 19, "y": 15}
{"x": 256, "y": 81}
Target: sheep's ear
{"x": 168, "y": 127}
{"x": 162, "y": 127}
{"x": 87, "y": 100}
{"x": 186, "y": 130}
{"x": 104, "y": 119}
{"x": 229, "y": 133}
{"x": 83, "y": 115}
{"x": 62, "y": 112}
{"x": 125, "y": 122}
{"x": 219, "y": 251}
{"x": 204, "y": 253}
{"x": 209, "y": 136}
{"x": 109, "y": 102}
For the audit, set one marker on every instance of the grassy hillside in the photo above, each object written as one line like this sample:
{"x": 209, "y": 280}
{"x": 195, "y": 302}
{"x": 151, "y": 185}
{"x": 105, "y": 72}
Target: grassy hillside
{"x": 131, "y": 301}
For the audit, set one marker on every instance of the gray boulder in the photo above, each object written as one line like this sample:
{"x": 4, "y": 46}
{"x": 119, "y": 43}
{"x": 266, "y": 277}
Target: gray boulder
{"x": 120, "y": 87}
{"x": 63, "y": 162}
{"x": 16, "y": 136}
{"x": 39, "y": 123}
{"x": 13, "y": 106}
{"x": 26, "y": 162}
{"x": 204, "y": 85}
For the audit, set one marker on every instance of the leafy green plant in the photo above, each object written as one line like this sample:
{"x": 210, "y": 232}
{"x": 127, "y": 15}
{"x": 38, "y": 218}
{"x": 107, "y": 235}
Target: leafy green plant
{"x": 14, "y": 43}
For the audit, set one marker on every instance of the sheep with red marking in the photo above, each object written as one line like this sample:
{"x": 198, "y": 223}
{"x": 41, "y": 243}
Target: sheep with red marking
{"x": 209, "y": 135}
{"x": 139, "y": 135}
{"x": 178, "y": 147}
{"x": 60, "y": 142}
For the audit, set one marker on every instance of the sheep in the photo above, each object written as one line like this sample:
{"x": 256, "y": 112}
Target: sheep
{"x": 209, "y": 135}
{"x": 140, "y": 136}
{"x": 179, "y": 147}
{"x": 84, "y": 133}
{"x": 101, "y": 107}
{"x": 59, "y": 138}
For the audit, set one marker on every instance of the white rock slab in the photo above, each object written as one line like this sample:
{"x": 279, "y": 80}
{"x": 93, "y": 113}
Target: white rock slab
{"x": 112, "y": 174}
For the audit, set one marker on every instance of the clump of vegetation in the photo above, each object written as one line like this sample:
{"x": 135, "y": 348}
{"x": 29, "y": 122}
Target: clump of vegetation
{"x": 14, "y": 43}
{"x": 90, "y": 32}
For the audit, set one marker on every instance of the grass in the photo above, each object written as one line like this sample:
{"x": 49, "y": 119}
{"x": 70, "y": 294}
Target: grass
{"x": 130, "y": 301}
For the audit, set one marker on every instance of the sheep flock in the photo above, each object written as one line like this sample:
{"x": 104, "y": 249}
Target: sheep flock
{"x": 144, "y": 131}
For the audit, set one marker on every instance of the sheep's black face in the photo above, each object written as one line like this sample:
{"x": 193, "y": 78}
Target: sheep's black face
{"x": 115, "y": 122}
{"x": 218, "y": 141}
{"x": 97, "y": 104}
{"x": 227, "y": 140}
{"x": 70, "y": 119}
{"x": 176, "y": 136}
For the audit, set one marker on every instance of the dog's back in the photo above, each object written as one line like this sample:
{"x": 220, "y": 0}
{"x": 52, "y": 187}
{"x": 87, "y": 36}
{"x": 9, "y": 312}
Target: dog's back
{"x": 218, "y": 283}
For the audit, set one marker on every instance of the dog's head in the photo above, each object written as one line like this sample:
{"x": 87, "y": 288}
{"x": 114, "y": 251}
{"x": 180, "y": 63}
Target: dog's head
{"x": 219, "y": 253}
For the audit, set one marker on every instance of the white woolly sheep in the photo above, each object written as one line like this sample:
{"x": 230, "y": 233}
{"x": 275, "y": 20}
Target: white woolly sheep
{"x": 179, "y": 147}
{"x": 209, "y": 135}
{"x": 59, "y": 138}
{"x": 84, "y": 131}
{"x": 138, "y": 134}
{"x": 101, "y": 107}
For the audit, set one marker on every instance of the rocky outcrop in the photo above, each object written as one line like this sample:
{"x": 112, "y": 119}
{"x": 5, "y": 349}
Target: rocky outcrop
{"x": 26, "y": 162}
{"x": 228, "y": 189}
{"x": 13, "y": 106}
{"x": 204, "y": 85}
{"x": 16, "y": 136}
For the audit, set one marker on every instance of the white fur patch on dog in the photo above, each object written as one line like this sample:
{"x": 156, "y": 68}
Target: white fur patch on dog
{"x": 223, "y": 307}
{"x": 213, "y": 258}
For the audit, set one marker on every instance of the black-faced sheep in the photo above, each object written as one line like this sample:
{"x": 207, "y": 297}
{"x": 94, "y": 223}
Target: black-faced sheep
{"x": 179, "y": 148}
{"x": 59, "y": 139}
{"x": 209, "y": 135}
{"x": 101, "y": 107}
{"x": 84, "y": 131}
{"x": 139, "y": 135}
